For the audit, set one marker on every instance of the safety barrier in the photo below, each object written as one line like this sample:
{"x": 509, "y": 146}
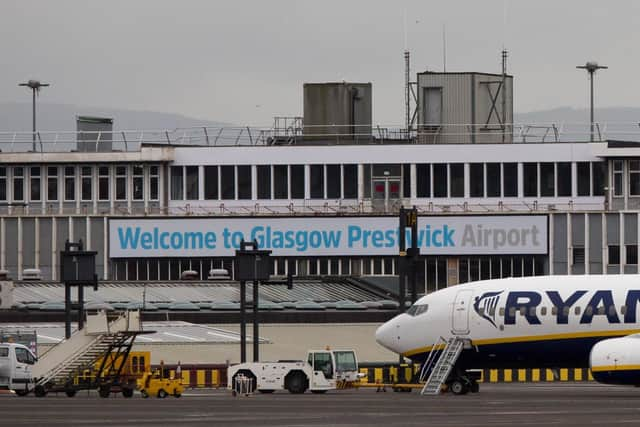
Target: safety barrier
{"x": 196, "y": 376}
{"x": 406, "y": 373}
{"x": 215, "y": 376}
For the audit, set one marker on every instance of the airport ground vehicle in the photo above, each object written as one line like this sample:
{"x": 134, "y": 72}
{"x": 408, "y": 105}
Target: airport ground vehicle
{"x": 322, "y": 371}
{"x": 153, "y": 384}
{"x": 16, "y": 361}
{"x": 117, "y": 373}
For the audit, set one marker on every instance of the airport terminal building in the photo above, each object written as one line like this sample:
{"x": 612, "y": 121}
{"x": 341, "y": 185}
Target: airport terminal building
{"x": 323, "y": 192}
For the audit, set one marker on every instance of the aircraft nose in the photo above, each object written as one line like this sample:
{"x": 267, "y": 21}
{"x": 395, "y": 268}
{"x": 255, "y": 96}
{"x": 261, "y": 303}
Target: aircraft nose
{"x": 386, "y": 335}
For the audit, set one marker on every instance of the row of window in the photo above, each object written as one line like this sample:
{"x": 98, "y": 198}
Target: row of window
{"x": 613, "y": 255}
{"x": 272, "y": 182}
{"x": 618, "y": 178}
{"x": 431, "y": 272}
{"x": 85, "y": 183}
{"x": 546, "y": 179}
{"x": 437, "y": 180}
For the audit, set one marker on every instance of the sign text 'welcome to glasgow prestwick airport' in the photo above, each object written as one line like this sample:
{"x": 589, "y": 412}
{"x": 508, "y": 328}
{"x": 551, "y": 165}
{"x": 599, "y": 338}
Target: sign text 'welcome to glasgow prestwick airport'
{"x": 322, "y": 236}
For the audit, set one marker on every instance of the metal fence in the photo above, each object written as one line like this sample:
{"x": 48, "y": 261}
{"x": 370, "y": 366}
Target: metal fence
{"x": 293, "y": 132}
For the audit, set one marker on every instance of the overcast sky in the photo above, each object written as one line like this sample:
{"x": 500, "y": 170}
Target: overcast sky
{"x": 245, "y": 61}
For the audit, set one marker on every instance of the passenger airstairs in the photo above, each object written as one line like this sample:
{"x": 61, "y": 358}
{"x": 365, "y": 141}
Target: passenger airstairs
{"x": 439, "y": 364}
{"x": 56, "y": 367}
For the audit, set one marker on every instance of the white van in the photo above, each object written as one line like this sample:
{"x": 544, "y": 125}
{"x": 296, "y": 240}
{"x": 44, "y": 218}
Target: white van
{"x": 16, "y": 362}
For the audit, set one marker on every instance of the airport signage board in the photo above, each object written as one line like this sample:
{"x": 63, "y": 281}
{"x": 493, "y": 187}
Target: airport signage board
{"x": 326, "y": 236}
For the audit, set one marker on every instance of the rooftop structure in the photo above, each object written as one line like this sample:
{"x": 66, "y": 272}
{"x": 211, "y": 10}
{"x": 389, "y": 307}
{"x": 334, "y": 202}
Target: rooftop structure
{"x": 155, "y": 204}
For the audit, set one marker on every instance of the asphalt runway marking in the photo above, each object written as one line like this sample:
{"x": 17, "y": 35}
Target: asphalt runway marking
{"x": 567, "y": 404}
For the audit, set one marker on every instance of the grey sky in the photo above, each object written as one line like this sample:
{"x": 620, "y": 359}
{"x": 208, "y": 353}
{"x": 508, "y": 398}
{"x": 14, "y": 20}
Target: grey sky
{"x": 245, "y": 61}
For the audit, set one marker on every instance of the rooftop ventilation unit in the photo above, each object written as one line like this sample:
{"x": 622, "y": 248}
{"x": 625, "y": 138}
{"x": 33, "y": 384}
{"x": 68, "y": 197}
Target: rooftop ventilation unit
{"x": 95, "y": 134}
{"x": 218, "y": 274}
{"x": 189, "y": 275}
{"x": 31, "y": 274}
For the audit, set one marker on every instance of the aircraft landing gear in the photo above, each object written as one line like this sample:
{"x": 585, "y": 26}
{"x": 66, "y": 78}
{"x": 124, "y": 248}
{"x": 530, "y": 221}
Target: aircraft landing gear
{"x": 459, "y": 386}
{"x": 463, "y": 384}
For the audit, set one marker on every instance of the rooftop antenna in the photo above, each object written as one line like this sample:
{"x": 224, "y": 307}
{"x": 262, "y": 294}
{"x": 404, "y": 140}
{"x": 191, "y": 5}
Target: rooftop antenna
{"x": 504, "y": 71}
{"x": 35, "y": 86}
{"x": 444, "y": 48}
{"x": 504, "y": 93}
{"x": 407, "y": 87}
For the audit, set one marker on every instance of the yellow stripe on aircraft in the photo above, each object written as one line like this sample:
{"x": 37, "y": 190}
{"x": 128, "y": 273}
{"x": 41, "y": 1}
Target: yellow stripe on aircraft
{"x": 615, "y": 368}
{"x": 547, "y": 337}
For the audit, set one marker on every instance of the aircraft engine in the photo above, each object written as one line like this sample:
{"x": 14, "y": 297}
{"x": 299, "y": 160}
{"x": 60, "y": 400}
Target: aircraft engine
{"x": 616, "y": 360}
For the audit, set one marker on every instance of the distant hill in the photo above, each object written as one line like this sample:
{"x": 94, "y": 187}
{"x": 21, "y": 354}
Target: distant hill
{"x": 15, "y": 116}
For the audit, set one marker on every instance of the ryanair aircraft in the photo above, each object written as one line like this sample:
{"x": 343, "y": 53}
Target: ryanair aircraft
{"x": 533, "y": 322}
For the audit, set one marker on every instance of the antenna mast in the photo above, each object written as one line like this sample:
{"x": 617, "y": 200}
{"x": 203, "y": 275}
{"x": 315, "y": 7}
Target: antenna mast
{"x": 444, "y": 48}
{"x": 407, "y": 94}
{"x": 504, "y": 93}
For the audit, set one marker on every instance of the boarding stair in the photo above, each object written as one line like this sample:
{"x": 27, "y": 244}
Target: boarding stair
{"x": 439, "y": 364}
{"x": 85, "y": 347}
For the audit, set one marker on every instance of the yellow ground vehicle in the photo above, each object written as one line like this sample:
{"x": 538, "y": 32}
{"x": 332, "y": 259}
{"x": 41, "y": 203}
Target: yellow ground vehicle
{"x": 153, "y": 384}
{"x": 111, "y": 375}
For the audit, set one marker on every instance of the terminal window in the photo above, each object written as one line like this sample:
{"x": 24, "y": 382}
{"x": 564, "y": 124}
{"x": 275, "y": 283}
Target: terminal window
{"x": 297, "y": 181}
{"x": 423, "y": 180}
{"x": 52, "y": 183}
{"x": 138, "y": 182}
{"x": 547, "y": 180}
{"x": 18, "y": 183}
{"x": 227, "y": 182}
{"x": 617, "y": 177}
{"x": 192, "y": 182}
{"x": 632, "y": 254}
{"x": 35, "y": 183}
{"x": 154, "y": 179}
{"x": 333, "y": 181}
{"x": 584, "y": 178}
{"x": 510, "y": 181}
{"x": 493, "y": 179}
{"x": 244, "y": 182}
{"x": 614, "y": 255}
{"x": 634, "y": 177}
{"x": 3, "y": 183}
{"x": 578, "y": 256}
{"x": 211, "y": 182}
{"x": 440, "y": 183}
{"x": 280, "y": 182}
{"x": 121, "y": 182}
{"x": 69, "y": 183}
{"x": 530, "y": 179}
{"x": 103, "y": 183}
{"x": 350, "y": 181}
{"x": 86, "y": 183}
{"x": 264, "y": 181}
{"x": 456, "y": 171}
{"x": 598, "y": 178}
{"x": 476, "y": 179}
{"x": 316, "y": 181}
{"x": 564, "y": 179}
{"x": 177, "y": 183}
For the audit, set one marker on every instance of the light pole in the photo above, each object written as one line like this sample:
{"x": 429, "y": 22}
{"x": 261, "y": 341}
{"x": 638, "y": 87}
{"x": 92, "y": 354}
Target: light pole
{"x": 35, "y": 86}
{"x": 592, "y": 67}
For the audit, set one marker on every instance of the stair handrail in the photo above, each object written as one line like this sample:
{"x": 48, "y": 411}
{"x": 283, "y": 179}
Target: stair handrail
{"x": 428, "y": 364}
{"x": 79, "y": 352}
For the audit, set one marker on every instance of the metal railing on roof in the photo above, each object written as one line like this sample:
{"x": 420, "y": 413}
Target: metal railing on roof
{"x": 320, "y": 208}
{"x": 291, "y": 131}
